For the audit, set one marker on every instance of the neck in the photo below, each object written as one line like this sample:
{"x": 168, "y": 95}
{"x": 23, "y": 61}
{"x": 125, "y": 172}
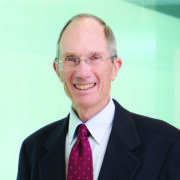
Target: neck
{"x": 86, "y": 113}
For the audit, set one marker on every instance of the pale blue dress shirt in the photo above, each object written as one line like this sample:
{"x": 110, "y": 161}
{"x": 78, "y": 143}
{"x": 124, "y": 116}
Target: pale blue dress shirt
{"x": 99, "y": 127}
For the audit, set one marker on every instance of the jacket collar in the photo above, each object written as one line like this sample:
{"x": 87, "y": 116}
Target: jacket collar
{"x": 119, "y": 161}
{"x": 125, "y": 128}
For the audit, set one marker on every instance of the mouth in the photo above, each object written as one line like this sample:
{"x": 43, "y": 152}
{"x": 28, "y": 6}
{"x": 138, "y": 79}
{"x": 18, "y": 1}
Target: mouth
{"x": 84, "y": 86}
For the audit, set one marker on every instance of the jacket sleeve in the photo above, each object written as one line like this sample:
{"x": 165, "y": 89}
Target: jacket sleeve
{"x": 171, "y": 166}
{"x": 23, "y": 170}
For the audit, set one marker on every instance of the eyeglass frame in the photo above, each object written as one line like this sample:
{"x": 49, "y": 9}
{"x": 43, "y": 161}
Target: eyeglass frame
{"x": 57, "y": 60}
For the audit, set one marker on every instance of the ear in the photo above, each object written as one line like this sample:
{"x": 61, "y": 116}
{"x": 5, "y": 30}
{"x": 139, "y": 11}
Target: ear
{"x": 57, "y": 70}
{"x": 116, "y": 66}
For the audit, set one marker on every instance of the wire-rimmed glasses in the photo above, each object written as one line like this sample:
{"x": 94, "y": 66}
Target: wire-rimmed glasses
{"x": 70, "y": 62}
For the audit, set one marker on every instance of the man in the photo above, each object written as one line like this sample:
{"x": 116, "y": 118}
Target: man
{"x": 121, "y": 145}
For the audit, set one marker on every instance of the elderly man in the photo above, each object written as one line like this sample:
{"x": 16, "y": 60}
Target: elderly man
{"x": 99, "y": 139}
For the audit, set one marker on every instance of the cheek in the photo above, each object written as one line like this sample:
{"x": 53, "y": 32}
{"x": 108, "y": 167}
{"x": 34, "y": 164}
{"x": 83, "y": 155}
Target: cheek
{"x": 107, "y": 74}
{"x": 67, "y": 77}
{"x": 67, "y": 88}
{"x": 105, "y": 79}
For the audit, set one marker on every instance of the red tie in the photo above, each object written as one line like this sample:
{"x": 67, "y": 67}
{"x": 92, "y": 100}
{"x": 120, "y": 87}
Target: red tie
{"x": 80, "y": 166}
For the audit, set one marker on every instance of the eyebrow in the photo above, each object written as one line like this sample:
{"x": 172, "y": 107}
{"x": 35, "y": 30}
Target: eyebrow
{"x": 89, "y": 53}
{"x": 68, "y": 53}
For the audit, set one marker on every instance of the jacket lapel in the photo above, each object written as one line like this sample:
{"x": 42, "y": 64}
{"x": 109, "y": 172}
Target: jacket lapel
{"x": 52, "y": 166}
{"x": 119, "y": 161}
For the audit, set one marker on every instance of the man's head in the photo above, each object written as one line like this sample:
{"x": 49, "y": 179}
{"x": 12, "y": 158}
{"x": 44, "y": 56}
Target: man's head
{"x": 111, "y": 42}
{"x": 87, "y": 85}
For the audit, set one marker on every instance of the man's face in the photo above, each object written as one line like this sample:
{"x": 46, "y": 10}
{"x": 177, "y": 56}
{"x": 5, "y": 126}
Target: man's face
{"x": 86, "y": 86}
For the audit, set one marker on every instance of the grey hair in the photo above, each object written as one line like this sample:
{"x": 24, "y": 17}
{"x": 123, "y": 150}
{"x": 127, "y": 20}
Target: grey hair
{"x": 111, "y": 42}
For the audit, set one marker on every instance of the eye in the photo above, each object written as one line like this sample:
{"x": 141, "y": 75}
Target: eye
{"x": 71, "y": 59}
{"x": 95, "y": 57}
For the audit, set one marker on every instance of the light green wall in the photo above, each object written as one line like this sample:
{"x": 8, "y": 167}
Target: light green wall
{"x": 31, "y": 94}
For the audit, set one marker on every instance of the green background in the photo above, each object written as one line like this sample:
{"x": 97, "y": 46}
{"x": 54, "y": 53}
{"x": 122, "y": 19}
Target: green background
{"x": 31, "y": 94}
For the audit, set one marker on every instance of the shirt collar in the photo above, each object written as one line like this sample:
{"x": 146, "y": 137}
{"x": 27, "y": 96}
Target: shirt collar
{"x": 97, "y": 125}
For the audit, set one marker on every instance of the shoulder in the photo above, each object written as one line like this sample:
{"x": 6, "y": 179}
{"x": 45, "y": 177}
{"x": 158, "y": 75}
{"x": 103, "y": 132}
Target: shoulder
{"x": 147, "y": 128}
{"x": 40, "y": 136}
{"x": 160, "y": 143}
{"x": 157, "y": 135}
{"x": 151, "y": 127}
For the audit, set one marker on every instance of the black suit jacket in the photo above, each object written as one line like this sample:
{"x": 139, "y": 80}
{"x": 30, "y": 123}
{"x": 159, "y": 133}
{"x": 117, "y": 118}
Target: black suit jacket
{"x": 139, "y": 148}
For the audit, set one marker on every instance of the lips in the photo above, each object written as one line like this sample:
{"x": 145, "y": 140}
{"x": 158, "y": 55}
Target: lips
{"x": 84, "y": 86}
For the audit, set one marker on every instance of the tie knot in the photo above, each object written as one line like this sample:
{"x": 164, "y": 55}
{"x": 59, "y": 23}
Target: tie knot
{"x": 82, "y": 132}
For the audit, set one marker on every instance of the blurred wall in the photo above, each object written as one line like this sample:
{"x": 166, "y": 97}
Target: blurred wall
{"x": 31, "y": 94}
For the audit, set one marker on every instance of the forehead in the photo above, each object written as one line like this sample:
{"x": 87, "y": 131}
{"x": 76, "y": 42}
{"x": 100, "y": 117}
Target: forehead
{"x": 83, "y": 35}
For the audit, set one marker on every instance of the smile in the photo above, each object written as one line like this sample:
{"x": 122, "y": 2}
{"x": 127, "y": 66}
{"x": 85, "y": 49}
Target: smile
{"x": 84, "y": 86}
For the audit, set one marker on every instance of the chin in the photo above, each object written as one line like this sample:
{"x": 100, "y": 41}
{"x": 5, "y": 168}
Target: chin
{"x": 86, "y": 102}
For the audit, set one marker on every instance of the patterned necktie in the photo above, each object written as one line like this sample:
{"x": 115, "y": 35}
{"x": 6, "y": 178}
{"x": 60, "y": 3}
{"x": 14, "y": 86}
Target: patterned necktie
{"x": 80, "y": 166}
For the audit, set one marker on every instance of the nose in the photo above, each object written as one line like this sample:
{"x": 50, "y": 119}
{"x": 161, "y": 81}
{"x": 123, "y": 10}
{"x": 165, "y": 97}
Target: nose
{"x": 82, "y": 70}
